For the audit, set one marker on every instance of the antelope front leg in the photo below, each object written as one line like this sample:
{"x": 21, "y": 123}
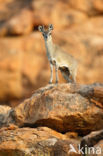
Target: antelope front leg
{"x": 56, "y": 71}
{"x": 51, "y": 76}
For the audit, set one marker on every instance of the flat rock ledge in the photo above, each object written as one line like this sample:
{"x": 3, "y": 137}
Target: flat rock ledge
{"x": 52, "y": 119}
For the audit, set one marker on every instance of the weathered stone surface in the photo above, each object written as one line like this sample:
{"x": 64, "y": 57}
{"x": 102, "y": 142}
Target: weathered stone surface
{"x": 92, "y": 139}
{"x": 4, "y": 115}
{"x": 35, "y": 142}
{"x": 99, "y": 146}
{"x": 60, "y": 106}
{"x": 95, "y": 140}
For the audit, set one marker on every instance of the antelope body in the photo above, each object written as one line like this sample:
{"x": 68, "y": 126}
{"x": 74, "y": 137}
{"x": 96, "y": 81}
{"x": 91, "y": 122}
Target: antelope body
{"x": 58, "y": 58}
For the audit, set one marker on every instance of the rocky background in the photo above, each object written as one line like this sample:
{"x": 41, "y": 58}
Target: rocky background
{"x": 78, "y": 28}
{"x": 55, "y": 116}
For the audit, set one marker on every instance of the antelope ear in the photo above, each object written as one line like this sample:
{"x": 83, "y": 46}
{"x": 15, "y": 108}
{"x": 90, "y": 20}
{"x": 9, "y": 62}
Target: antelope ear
{"x": 40, "y": 28}
{"x": 50, "y": 27}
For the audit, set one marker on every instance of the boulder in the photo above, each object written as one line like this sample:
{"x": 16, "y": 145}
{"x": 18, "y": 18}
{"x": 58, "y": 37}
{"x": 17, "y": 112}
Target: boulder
{"x": 94, "y": 140}
{"x": 60, "y": 106}
{"x": 39, "y": 141}
{"x": 4, "y": 115}
{"x": 99, "y": 146}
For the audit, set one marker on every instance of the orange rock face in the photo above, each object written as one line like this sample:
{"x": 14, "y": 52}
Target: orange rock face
{"x": 35, "y": 142}
{"x": 19, "y": 61}
{"x": 59, "y": 107}
{"x": 24, "y": 66}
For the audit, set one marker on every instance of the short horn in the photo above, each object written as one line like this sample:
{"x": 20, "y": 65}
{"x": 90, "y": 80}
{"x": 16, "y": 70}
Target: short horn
{"x": 50, "y": 27}
{"x": 41, "y": 28}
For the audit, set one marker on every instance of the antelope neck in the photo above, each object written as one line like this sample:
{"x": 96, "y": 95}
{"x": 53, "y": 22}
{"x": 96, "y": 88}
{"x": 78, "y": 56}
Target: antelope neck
{"x": 49, "y": 47}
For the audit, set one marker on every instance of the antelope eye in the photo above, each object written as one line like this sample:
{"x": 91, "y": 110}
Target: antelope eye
{"x": 43, "y": 34}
